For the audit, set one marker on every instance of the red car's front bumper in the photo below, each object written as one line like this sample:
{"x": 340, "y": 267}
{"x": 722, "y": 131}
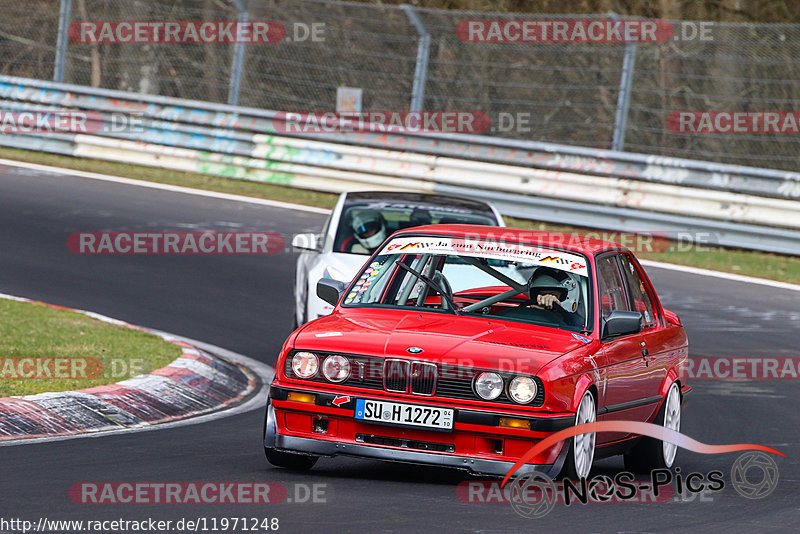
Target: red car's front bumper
{"x": 476, "y": 443}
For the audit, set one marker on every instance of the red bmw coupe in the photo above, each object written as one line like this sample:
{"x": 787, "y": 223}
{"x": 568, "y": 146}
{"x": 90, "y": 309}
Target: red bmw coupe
{"x": 463, "y": 346}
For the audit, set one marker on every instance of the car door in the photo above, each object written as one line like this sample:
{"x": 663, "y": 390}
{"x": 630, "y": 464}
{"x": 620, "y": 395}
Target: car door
{"x": 655, "y": 339}
{"x": 627, "y": 383}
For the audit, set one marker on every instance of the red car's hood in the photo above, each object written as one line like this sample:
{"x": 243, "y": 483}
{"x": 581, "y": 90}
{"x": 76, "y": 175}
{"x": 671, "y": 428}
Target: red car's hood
{"x": 466, "y": 341}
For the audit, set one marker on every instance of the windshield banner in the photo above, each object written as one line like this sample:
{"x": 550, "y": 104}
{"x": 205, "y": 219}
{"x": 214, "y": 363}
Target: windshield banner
{"x": 489, "y": 249}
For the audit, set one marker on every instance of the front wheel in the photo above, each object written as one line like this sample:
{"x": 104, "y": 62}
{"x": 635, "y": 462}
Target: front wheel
{"x": 651, "y": 453}
{"x": 287, "y": 460}
{"x": 578, "y": 463}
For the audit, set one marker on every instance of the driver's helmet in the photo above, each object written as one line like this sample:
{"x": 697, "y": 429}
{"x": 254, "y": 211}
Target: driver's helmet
{"x": 563, "y": 284}
{"x": 369, "y": 227}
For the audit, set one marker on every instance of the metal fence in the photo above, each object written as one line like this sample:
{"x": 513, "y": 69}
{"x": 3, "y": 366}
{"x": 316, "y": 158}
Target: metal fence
{"x": 595, "y": 95}
{"x": 689, "y": 202}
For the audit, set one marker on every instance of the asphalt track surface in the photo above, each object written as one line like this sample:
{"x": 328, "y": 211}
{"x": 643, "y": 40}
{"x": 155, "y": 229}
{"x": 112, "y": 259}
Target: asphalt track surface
{"x": 243, "y": 303}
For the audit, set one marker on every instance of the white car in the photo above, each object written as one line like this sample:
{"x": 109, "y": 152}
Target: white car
{"x": 358, "y": 224}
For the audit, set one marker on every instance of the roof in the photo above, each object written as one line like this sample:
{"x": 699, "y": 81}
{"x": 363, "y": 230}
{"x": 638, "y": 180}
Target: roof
{"x": 417, "y": 198}
{"x": 547, "y": 239}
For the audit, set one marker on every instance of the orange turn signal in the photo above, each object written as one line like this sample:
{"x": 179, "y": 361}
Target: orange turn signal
{"x": 511, "y": 422}
{"x": 301, "y": 397}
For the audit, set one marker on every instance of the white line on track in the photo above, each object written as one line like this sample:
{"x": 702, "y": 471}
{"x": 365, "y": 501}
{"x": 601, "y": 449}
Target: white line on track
{"x": 164, "y": 187}
{"x": 722, "y": 275}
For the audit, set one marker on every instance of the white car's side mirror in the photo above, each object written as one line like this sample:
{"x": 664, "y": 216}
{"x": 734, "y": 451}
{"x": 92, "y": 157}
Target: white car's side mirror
{"x": 305, "y": 241}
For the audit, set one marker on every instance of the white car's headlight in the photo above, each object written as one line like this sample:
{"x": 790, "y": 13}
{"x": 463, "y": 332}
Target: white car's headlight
{"x": 522, "y": 389}
{"x": 336, "y": 368}
{"x": 488, "y": 386}
{"x": 305, "y": 364}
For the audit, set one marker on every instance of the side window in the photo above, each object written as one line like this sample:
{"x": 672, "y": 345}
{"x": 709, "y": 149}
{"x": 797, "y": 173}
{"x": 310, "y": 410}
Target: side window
{"x": 640, "y": 298}
{"x": 612, "y": 294}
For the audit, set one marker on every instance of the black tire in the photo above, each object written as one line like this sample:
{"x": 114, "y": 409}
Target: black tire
{"x": 287, "y": 460}
{"x": 648, "y": 453}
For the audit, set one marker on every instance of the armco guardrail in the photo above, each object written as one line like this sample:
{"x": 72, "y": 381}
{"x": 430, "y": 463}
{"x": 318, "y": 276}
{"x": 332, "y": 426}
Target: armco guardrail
{"x": 730, "y": 205}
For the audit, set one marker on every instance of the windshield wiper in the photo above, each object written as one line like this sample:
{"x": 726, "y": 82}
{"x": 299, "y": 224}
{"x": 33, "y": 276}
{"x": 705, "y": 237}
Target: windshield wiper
{"x": 433, "y": 285}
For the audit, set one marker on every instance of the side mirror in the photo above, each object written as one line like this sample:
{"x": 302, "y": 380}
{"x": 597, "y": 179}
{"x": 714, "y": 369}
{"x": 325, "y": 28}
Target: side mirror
{"x": 305, "y": 241}
{"x": 622, "y": 323}
{"x": 330, "y": 290}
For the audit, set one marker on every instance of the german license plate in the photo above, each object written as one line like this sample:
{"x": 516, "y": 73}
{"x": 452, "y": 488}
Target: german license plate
{"x": 404, "y": 414}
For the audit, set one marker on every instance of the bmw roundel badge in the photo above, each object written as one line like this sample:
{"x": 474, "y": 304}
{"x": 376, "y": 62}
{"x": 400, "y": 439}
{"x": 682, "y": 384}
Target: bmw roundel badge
{"x": 413, "y": 350}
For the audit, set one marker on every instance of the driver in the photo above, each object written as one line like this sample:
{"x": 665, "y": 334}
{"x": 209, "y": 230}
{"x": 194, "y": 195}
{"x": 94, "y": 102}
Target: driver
{"x": 557, "y": 291}
{"x": 369, "y": 229}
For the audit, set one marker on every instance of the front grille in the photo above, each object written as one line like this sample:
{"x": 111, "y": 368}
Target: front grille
{"x": 456, "y": 382}
{"x": 367, "y": 372}
{"x": 405, "y": 443}
{"x": 395, "y": 375}
{"x": 423, "y": 378}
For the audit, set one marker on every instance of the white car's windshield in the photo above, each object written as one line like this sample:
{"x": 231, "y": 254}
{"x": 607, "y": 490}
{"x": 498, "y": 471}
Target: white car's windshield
{"x": 364, "y": 226}
{"x": 510, "y": 281}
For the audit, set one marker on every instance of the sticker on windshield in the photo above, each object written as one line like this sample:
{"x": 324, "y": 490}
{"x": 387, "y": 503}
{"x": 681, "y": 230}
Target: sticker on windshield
{"x": 489, "y": 249}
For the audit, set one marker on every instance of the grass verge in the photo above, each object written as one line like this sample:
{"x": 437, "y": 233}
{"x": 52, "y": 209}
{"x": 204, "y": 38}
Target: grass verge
{"x": 45, "y": 349}
{"x": 745, "y": 262}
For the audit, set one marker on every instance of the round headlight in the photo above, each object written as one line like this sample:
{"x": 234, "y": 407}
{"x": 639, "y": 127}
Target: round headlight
{"x": 336, "y": 368}
{"x": 305, "y": 364}
{"x": 489, "y": 386}
{"x": 522, "y": 389}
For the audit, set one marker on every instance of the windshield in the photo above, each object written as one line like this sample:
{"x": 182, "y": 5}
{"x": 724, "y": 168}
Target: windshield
{"x": 504, "y": 280}
{"x": 366, "y": 225}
